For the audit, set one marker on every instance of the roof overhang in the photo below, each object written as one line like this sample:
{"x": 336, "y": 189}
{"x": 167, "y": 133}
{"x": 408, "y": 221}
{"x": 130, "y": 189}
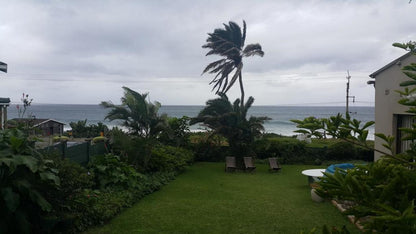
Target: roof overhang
{"x": 3, "y": 67}
{"x": 394, "y": 62}
{"x": 45, "y": 121}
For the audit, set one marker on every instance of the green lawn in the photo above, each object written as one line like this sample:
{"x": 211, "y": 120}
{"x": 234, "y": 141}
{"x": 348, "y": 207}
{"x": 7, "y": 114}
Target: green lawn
{"x": 205, "y": 199}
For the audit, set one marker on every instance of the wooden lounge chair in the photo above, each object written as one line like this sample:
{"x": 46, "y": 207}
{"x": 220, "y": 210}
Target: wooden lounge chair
{"x": 230, "y": 164}
{"x": 274, "y": 165}
{"x": 249, "y": 164}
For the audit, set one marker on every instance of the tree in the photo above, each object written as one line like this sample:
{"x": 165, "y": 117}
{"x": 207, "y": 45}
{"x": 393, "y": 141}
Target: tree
{"x": 229, "y": 43}
{"x": 138, "y": 115}
{"x": 230, "y": 121}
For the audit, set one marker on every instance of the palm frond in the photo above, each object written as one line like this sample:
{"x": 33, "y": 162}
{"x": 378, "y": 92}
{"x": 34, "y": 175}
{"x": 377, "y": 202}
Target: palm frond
{"x": 243, "y": 38}
{"x": 235, "y": 77}
{"x": 253, "y": 49}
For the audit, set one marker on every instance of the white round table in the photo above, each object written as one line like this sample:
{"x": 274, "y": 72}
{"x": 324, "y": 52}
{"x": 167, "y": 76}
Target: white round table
{"x": 313, "y": 174}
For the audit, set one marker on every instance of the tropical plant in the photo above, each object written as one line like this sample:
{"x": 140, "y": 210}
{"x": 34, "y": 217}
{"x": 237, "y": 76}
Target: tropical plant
{"x": 228, "y": 42}
{"x": 81, "y": 129}
{"x": 139, "y": 116}
{"x": 230, "y": 121}
{"x": 113, "y": 174}
{"x": 310, "y": 126}
{"x": 333, "y": 126}
{"x": 25, "y": 177}
{"x": 177, "y": 132}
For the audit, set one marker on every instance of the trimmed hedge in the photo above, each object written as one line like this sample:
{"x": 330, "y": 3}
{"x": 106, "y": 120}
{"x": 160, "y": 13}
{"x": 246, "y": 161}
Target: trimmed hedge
{"x": 291, "y": 151}
{"x": 288, "y": 150}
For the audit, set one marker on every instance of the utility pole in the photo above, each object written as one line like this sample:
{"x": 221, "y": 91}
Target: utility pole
{"x": 347, "y": 97}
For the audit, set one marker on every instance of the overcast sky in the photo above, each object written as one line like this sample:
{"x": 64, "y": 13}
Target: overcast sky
{"x": 83, "y": 52}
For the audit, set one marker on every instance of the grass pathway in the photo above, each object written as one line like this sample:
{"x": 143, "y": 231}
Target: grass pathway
{"x": 204, "y": 199}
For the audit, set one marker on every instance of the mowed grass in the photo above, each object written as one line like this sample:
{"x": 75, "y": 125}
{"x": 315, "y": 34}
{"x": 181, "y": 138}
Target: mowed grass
{"x": 205, "y": 199}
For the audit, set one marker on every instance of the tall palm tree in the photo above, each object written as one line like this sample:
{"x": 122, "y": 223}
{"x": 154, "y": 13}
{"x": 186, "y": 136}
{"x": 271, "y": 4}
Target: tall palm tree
{"x": 138, "y": 115}
{"x": 228, "y": 42}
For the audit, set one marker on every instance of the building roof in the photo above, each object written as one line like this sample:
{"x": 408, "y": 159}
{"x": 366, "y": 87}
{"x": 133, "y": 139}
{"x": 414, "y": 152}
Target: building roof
{"x": 394, "y": 62}
{"x": 37, "y": 122}
{"x": 5, "y": 101}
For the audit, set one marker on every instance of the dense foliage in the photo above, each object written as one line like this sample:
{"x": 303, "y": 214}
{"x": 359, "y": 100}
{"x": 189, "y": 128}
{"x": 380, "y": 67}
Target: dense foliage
{"x": 47, "y": 194}
{"x": 138, "y": 115}
{"x": 81, "y": 129}
{"x": 25, "y": 177}
{"x": 231, "y": 122}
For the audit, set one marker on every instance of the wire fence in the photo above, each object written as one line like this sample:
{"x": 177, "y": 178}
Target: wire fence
{"x": 80, "y": 153}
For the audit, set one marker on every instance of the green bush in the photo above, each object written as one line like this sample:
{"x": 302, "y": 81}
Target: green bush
{"x": 113, "y": 174}
{"x": 348, "y": 151}
{"x": 25, "y": 178}
{"x": 290, "y": 150}
{"x": 169, "y": 158}
{"x": 341, "y": 151}
{"x": 383, "y": 193}
{"x": 209, "y": 148}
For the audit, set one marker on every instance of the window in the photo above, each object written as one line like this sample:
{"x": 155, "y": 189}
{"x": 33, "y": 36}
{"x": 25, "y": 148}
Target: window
{"x": 403, "y": 121}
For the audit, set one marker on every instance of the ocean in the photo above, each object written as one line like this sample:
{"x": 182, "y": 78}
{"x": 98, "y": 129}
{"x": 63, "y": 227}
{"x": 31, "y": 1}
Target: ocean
{"x": 280, "y": 115}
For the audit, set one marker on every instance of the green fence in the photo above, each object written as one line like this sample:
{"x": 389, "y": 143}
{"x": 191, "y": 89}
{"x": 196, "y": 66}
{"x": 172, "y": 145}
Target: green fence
{"x": 80, "y": 153}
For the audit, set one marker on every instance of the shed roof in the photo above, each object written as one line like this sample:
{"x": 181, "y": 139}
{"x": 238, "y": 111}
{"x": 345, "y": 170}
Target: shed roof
{"x": 394, "y": 62}
{"x": 37, "y": 122}
{"x": 5, "y": 101}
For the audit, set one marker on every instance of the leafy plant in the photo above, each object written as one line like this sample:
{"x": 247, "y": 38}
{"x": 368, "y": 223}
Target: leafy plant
{"x": 113, "y": 174}
{"x": 310, "y": 126}
{"x": 24, "y": 178}
{"x": 81, "y": 129}
{"x": 137, "y": 114}
{"x": 169, "y": 158}
{"x": 177, "y": 133}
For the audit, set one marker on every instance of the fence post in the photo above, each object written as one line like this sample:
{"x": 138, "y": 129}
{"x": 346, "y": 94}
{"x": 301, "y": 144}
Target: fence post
{"x": 88, "y": 149}
{"x": 64, "y": 147}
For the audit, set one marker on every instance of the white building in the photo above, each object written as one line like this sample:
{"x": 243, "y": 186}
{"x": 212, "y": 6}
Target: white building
{"x": 389, "y": 114}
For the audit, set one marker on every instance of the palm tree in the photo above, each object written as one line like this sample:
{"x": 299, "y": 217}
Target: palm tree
{"x": 230, "y": 121}
{"x": 229, "y": 43}
{"x": 138, "y": 115}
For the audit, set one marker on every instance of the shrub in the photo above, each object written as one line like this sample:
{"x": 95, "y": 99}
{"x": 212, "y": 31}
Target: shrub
{"x": 113, "y": 174}
{"x": 341, "y": 151}
{"x": 383, "y": 192}
{"x": 169, "y": 158}
{"x": 24, "y": 178}
{"x": 290, "y": 150}
{"x": 209, "y": 148}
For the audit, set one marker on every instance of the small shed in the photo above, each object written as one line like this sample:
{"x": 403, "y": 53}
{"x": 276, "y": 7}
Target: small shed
{"x": 45, "y": 127}
{"x": 4, "y": 103}
{"x": 49, "y": 127}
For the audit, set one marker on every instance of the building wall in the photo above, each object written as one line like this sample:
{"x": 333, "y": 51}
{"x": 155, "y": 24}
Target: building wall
{"x": 386, "y": 105}
{"x": 3, "y": 116}
{"x": 51, "y": 128}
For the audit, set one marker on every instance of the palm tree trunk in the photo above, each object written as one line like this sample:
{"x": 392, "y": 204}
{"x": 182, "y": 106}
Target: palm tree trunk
{"x": 240, "y": 80}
